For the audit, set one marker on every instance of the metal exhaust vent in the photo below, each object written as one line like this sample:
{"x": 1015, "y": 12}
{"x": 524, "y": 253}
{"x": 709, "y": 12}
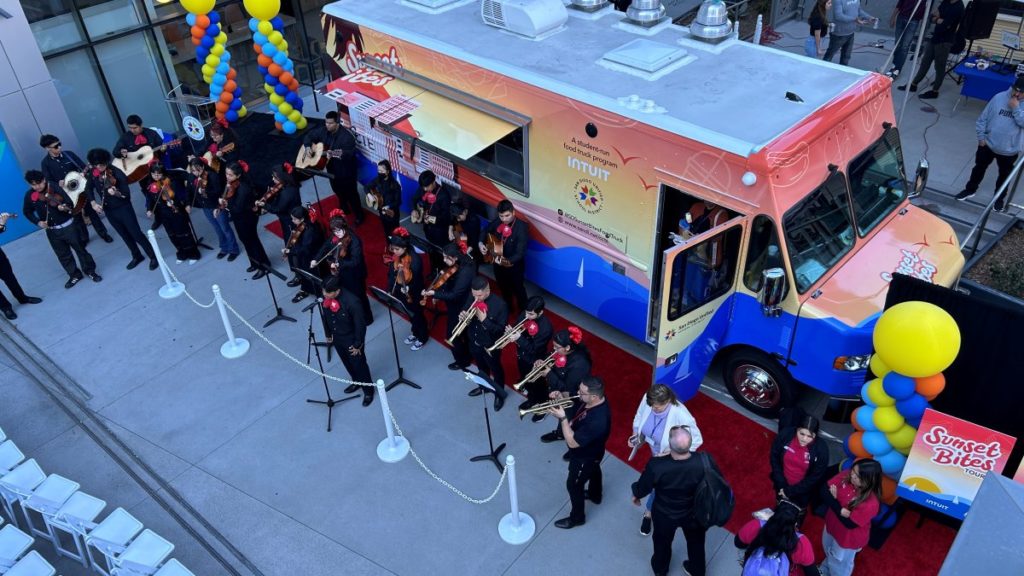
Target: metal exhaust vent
{"x": 645, "y": 13}
{"x": 588, "y": 5}
{"x": 712, "y": 24}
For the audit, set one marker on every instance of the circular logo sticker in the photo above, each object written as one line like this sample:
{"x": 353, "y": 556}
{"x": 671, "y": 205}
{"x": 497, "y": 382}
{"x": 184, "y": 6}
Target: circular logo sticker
{"x": 589, "y": 196}
{"x": 193, "y": 127}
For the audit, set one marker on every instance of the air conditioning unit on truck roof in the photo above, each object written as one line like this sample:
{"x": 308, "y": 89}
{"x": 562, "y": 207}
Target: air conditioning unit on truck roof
{"x": 530, "y": 18}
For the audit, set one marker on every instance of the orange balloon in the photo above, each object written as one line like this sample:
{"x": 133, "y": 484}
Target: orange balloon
{"x": 932, "y": 397}
{"x": 857, "y": 445}
{"x": 226, "y": 97}
{"x": 930, "y": 385}
{"x": 888, "y": 490}
{"x": 198, "y": 32}
{"x": 278, "y": 126}
{"x": 275, "y": 70}
{"x": 286, "y": 78}
{"x": 232, "y": 73}
{"x": 230, "y": 86}
{"x": 257, "y": 48}
{"x": 264, "y": 60}
{"x": 294, "y": 86}
{"x": 219, "y": 114}
{"x": 196, "y": 41}
{"x": 203, "y": 21}
{"x": 223, "y": 106}
{"x": 853, "y": 419}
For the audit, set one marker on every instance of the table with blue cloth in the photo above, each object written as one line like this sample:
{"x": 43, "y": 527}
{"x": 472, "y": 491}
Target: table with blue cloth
{"x": 984, "y": 84}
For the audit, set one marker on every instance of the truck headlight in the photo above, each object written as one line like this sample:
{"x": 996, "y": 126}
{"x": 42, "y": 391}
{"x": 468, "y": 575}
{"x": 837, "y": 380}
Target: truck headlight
{"x": 852, "y": 363}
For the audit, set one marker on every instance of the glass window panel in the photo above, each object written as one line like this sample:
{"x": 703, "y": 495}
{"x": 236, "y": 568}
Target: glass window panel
{"x": 762, "y": 252}
{"x": 78, "y": 83}
{"x": 876, "y": 182}
{"x": 53, "y": 24}
{"x": 133, "y": 72}
{"x": 819, "y": 231}
{"x": 103, "y": 18}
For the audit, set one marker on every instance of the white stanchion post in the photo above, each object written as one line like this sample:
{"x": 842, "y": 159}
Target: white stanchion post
{"x": 169, "y": 289}
{"x": 234, "y": 347}
{"x": 393, "y": 448}
{"x": 515, "y": 527}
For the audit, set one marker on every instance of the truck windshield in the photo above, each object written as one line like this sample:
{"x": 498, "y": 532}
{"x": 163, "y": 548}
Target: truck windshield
{"x": 819, "y": 231}
{"x": 876, "y": 182}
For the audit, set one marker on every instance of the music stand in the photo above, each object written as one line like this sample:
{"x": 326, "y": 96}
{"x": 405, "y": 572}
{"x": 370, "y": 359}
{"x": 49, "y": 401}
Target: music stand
{"x": 393, "y": 303}
{"x": 428, "y": 247}
{"x": 312, "y": 175}
{"x": 485, "y": 385}
{"x": 280, "y": 313}
{"x": 317, "y": 283}
{"x": 310, "y": 347}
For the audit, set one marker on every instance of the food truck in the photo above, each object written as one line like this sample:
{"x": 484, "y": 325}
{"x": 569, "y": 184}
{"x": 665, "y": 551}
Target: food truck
{"x": 711, "y": 197}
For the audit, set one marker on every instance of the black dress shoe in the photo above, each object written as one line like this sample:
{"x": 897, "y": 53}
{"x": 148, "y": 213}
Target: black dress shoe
{"x": 232, "y": 257}
{"x": 567, "y": 523}
{"x": 252, "y": 269}
{"x": 525, "y": 404}
{"x": 299, "y": 297}
{"x": 259, "y": 275}
{"x": 153, "y": 264}
{"x": 9, "y": 312}
{"x": 96, "y": 277}
{"x": 586, "y": 494}
{"x": 107, "y": 238}
{"x": 929, "y": 95}
{"x": 537, "y": 417}
{"x": 294, "y": 282}
{"x": 351, "y": 388}
{"x": 565, "y": 457}
{"x": 221, "y": 255}
{"x": 553, "y": 436}
{"x": 498, "y": 403}
{"x": 72, "y": 281}
{"x": 30, "y": 300}
{"x": 456, "y": 366}
{"x": 368, "y": 399}
{"x": 476, "y": 391}
{"x": 135, "y": 262}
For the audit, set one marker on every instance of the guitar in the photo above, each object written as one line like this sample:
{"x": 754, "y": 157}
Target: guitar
{"x": 136, "y": 165}
{"x": 317, "y": 157}
{"x": 213, "y": 161}
{"x": 496, "y": 251}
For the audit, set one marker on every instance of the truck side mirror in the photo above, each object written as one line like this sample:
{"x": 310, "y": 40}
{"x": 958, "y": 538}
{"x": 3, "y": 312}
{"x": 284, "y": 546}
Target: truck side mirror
{"x": 920, "y": 178}
{"x": 773, "y": 288}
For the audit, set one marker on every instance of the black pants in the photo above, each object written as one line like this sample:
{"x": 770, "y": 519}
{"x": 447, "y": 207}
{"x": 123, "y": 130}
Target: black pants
{"x": 97, "y": 223}
{"x": 358, "y": 369}
{"x": 438, "y": 236}
{"x": 356, "y": 284}
{"x": 460, "y": 348}
{"x": 665, "y": 532}
{"x": 344, "y": 187}
{"x": 248, "y": 234}
{"x": 536, "y": 391}
{"x": 490, "y": 365}
{"x": 7, "y": 275}
{"x": 581, "y": 473}
{"x": 982, "y": 159}
{"x": 64, "y": 241}
{"x": 416, "y": 318}
{"x": 126, "y": 224}
{"x": 511, "y": 281}
{"x": 389, "y": 225}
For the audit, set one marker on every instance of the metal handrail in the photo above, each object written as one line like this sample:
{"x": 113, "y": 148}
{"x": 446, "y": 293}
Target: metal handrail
{"x": 1011, "y": 180}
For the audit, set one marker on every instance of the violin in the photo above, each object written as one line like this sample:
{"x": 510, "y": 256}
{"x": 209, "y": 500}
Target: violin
{"x": 167, "y": 194}
{"x": 402, "y": 266}
{"x": 272, "y": 191}
{"x": 442, "y": 277}
{"x": 296, "y": 234}
{"x": 229, "y": 193}
{"x": 201, "y": 182}
{"x": 341, "y": 251}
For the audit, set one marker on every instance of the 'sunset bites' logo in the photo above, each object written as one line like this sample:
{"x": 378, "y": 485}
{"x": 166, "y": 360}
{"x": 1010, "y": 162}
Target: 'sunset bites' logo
{"x": 356, "y": 73}
{"x": 975, "y": 458}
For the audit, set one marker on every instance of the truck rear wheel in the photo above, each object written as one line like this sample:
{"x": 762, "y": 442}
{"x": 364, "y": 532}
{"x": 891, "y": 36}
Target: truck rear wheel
{"x": 758, "y": 383}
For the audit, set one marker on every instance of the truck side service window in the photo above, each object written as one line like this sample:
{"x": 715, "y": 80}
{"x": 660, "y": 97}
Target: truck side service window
{"x": 819, "y": 231}
{"x": 704, "y": 272}
{"x": 762, "y": 253}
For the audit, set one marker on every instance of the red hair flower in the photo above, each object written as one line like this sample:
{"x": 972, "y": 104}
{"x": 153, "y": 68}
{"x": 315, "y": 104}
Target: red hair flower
{"x": 212, "y": 148}
{"x": 429, "y": 197}
{"x": 244, "y": 165}
{"x": 311, "y": 210}
{"x": 332, "y": 304}
{"x": 575, "y": 334}
{"x": 336, "y": 213}
{"x": 401, "y": 232}
{"x": 223, "y": 123}
{"x": 288, "y": 167}
{"x": 532, "y": 327}
{"x": 96, "y": 172}
{"x": 505, "y": 230}
{"x": 204, "y": 160}
{"x": 35, "y": 196}
{"x": 560, "y": 360}
{"x": 463, "y": 247}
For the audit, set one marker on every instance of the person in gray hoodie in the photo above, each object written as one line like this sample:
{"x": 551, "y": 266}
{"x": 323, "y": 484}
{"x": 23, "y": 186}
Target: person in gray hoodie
{"x": 846, "y": 14}
{"x": 1000, "y": 133}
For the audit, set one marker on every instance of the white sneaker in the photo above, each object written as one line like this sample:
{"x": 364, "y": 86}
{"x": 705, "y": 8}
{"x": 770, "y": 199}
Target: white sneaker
{"x": 192, "y": 261}
{"x": 416, "y": 345}
{"x": 893, "y": 72}
{"x": 178, "y": 261}
{"x": 409, "y": 340}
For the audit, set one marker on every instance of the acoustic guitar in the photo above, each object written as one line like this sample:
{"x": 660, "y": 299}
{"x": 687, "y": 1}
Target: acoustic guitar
{"x": 136, "y": 165}
{"x": 496, "y": 251}
{"x": 213, "y": 161}
{"x": 317, "y": 157}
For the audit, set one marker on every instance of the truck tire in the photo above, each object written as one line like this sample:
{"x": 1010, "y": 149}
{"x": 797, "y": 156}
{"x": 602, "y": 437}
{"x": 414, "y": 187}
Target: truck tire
{"x": 758, "y": 383}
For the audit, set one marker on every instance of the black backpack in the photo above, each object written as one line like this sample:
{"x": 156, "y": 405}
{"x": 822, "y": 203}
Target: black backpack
{"x": 713, "y": 502}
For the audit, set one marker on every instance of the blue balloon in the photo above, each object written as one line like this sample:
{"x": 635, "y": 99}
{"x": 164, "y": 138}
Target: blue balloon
{"x": 277, "y": 23}
{"x": 289, "y": 65}
{"x": 892, "y": 463}
{"x": 280, "y": 117}
{"x": 271, "y": 80}
{"x": 254, "y": 26}
{"x": 846, "y": 464}
{"x": 865, "y": 418}
{"x": 223, "y": 69}
{"x": 238, "y": 92}
{"x": 297, "y": 105}
{"x": 219, "y": 79}
{"x": 225, "y": 57}
{"x": 216, "y": 89}
{"x": 202, "y": 53}
{"x": 898, "y": 386}
{"x": 846, "y": 448}
{"x": 914, "y": 422}
{"x": 231, "y": 116}
{"x": 206, "y": 42}
{"x": 213, "y": 31}
{"x": 864, "y": 396}
{"x": 268, "y": 49}
{"x": 281, "y": 89}
{"x": 290, "y": 127}
{"x": 262, "y": 70}
{"x": 214, "y": 17}
{"x": 259, "y": 38}
{"x": 280, "y": 58}
{"x": 236, "y": 103}
{"x": 912, "y": 408}
{"x": 883, "y": 519}
{"x": 876, "y": 443}
{"x": 190, "y": 19}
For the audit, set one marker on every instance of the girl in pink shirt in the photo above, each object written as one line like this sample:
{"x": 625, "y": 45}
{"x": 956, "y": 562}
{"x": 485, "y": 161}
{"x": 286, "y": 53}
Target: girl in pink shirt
{"x": 853, "y": 500}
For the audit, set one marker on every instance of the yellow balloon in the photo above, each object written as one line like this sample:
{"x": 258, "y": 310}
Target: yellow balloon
{"x": 916, "y": 339}
{"x": 212, "y": 61}
{"x": 888, "y": 419}
{"x": 217, "y": 49}
{"x": 262, "y": 9}
{"x": 903, "y": 438}
{"x": 283, "y": 46}
{"x": 276, "y": 99}
{"x": 294, "y": 116}
{"x": 265, "y": 28}
{"x": 242, "y": 111}
{"x": 284, "y": 108}
{"x": 878, "y": 367}
{"x": 208, "y": 70}
{"x": 221, "y": 38}
{"x": 198, "y": 6}
{"x": 268, "y": 88}
{"x": 301, "y": 124}
{"x": 275, "y": 37}
{"x": 877, "y": 395}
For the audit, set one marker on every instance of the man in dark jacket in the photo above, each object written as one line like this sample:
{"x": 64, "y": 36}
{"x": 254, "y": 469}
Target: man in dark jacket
{"x": 510, "y": 267}
{"x": 343, "y": 315}
{"x": 946, "y": 17}
{"x": 432, "y": 205}
{"x": 109, "y": 193}
{"x": 483, "y": 331}
{"x": 454, "y": 293}
{"x": 342, "y": 164}
{"x": 55, "y": 166}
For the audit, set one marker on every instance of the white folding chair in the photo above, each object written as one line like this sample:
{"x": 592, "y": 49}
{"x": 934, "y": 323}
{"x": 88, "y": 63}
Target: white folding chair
{"x": 45, "y": 500}
{"x": 32, "y": 565}
{"x": 173, "y": 568}
{"x": 18, "y": 484}
{"x": 77, "y": 518}
{"x": 144, "y": 555}
{"x": 110, "y": 538}
{"x": 13, "y": 545}
{"x": 10, "y": 456}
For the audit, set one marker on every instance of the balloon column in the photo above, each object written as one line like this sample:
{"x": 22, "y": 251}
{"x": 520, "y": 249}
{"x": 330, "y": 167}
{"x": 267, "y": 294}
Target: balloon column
{"x": 213, "y": 55}
{"x": 914, "y": 342}
{"x": 275, "y": 65}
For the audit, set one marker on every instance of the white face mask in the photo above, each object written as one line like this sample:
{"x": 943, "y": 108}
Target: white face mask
{"x": 339, "y": 233}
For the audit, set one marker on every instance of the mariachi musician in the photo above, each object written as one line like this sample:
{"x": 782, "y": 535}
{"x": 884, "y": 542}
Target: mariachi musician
{"x": 281, "y": 196}
{"x": 134, "y": 138}
{"x": 342, "y": 165}
{"x": 343, "y": 319}
{"x": 571, "y": 364}
{"x": 223, "y": 149}
{"x": 109, "y": 194}
{"x": 387, "y": 193}
{"x": 343, "y": 254}
{"x": 168, "y": 204}
{"x": 490, "y": 315}
{"x": 432, "y": 207}
{"x": 510, "y": 266}
{"x": 50, "y": 208}
{"x": 57, "y": 163}
{"x": 531, "y": 338}
{"x": 405, "y": 282}
{"x": 451, "y": 286}
{"x": 205, "y": 188}
{"x": 300, "y": 249}
{"x": 7, "y": 275}
{"x": 238, "y": 199}
{"x": 465, "y": 227}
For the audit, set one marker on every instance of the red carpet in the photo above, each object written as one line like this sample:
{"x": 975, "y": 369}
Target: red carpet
{"x": 739, "y": 445}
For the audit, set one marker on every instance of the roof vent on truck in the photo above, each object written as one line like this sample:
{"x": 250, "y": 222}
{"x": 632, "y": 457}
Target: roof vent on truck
{"x": 529, "y": 18}
{"x": 645, "y": 58}
{"x": 588, "y": 5}
{"x": 712, "y": 24}
{"x": 434, "y": 6}
{"x": 645, "y": 13}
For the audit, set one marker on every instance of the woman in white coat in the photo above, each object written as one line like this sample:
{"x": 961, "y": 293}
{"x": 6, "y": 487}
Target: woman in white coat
{"x": 658, "y": 413}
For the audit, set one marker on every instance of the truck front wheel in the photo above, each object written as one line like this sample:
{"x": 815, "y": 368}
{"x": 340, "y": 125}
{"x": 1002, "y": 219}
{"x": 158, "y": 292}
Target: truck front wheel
{"x": 758, "y": 383}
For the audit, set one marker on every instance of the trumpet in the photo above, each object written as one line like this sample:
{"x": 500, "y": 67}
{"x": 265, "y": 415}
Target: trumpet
{"x": 544, "y": 407}
{"x": 461, "y": 326}
{"x": 507, "y": 336}
{"x": 535, "y": 373}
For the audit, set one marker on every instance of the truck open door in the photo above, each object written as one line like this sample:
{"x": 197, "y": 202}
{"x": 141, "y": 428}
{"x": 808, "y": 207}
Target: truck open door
{"x": 692, "y": 313}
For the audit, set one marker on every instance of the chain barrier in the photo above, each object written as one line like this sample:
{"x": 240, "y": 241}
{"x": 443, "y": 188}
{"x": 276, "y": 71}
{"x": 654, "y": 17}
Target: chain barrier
{"x": 391, "y": 415}
{"x": 187, "y": 294}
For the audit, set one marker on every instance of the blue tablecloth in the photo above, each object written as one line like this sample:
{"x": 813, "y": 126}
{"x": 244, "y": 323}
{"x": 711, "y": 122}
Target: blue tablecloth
{"x": 984, "y": 84}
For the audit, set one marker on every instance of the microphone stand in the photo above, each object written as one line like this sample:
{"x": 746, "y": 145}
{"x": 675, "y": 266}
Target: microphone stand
{"x": 280, "y": 313}
{"x": 313, "y": 346}
{"x": 317, "y": 283}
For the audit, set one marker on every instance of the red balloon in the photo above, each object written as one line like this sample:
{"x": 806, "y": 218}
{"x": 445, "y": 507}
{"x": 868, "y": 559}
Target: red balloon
{"x": 203, "y": 21}
{"x": 278, "y": 126}
{"x": 857, "y": 445}
{"x": 275, "y": 70}
{"x": 256, "y": 48}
